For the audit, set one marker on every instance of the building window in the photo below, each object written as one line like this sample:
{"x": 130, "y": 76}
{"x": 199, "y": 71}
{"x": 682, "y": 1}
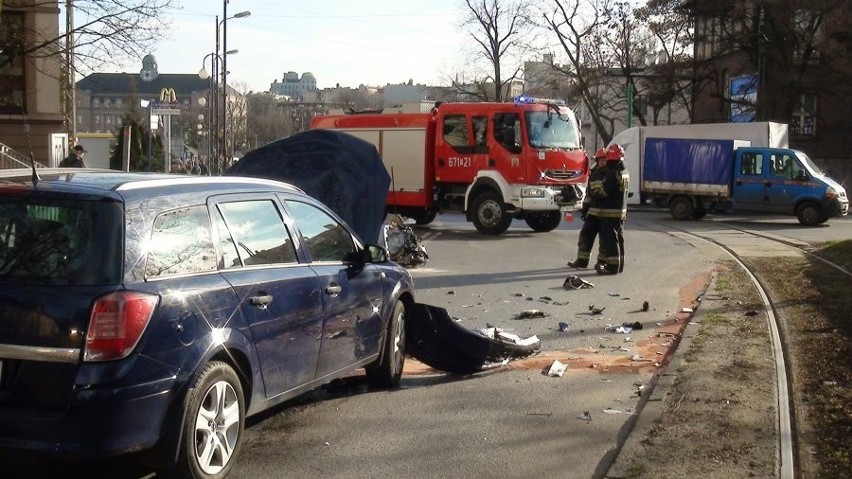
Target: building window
{"x": 804, "y": 116}
{"x": 12, "y": 85}
{"x": 118, "y": 102}
{"x": 96, "y": 102}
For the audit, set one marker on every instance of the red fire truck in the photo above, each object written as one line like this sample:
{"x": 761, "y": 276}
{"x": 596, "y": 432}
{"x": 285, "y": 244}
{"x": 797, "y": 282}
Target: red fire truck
{"x": 494, "y": 161}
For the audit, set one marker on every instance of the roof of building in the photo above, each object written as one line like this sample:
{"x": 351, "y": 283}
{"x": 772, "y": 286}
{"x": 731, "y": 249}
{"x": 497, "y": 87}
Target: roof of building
{"x": 121, "y": 83}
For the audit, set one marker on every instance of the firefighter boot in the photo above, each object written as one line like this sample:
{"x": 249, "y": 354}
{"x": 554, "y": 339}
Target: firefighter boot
{"x": 578, "y": 263}
{"x": 603, "y": 268}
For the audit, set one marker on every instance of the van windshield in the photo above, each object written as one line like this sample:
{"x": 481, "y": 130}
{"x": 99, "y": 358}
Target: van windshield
{"x": 53, "y": 241}
{"x": 809, "y": 164}
{"x": 552, "y": 129}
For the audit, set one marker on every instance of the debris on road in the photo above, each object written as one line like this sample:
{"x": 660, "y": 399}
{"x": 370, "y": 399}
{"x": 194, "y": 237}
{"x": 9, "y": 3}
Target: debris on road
{"x": 557, "y": 369}
{"x": 586, "y": 416}
{"x": 435, "y": 339}
{"x": 645, "y": 306}
{"x": 530, "y": 313}
{"x": 563, "y": 327}
{"x": 596, "y": 310}
{"x": 576, "y": 282}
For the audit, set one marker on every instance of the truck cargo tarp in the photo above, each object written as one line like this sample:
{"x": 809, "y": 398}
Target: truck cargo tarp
{"x": 344, "y": 172}
{"x": 688, "y": 161}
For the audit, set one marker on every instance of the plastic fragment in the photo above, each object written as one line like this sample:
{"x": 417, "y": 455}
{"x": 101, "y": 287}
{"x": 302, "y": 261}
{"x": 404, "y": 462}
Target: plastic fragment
{"x": 556, "y": 369}
{"x": 530, "y": 313}
{"x": 576, "y": 282}
{"x": 586, "y": 416}
{"x": 612, "y": 411}
{"x": 563, "y": 327}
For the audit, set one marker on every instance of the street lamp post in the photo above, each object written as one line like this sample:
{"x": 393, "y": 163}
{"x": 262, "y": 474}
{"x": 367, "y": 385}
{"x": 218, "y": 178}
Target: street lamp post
{"x": 149, "y": 104}
{"x": 243, "y": 14}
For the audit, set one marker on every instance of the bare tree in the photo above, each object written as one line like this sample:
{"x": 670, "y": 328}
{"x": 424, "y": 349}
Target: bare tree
{"x": 104, "y": 31}
{"x": 579, "y": 27}
{"x": 794, "y": 46}
{"x": 501, "y": 30}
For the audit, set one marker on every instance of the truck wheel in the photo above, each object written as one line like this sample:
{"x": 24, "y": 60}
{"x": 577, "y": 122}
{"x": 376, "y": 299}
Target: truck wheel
{"x": 387, "y": 370}
{"x": 681, "y": 208}
{"x": 425, "y": 217}
{"x": 213, "y": 429}
{"x": 490, "y": 215}
{"x": 809, "y": 214}
{"x": 544, "y": 222}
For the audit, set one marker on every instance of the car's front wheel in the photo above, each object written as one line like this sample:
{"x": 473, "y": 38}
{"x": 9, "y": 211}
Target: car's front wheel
{"x": 213, "y": 427}
{"x": 386, "y": 372}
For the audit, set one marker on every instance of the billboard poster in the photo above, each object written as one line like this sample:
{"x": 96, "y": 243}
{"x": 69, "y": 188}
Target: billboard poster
{"x": 743, "y": 98}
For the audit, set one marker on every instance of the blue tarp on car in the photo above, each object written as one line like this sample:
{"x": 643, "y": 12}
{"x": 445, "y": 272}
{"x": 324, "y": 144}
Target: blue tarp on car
{"x": 344, "y": 172}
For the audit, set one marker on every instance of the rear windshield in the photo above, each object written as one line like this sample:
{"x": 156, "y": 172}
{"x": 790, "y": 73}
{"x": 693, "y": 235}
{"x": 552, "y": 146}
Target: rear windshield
{"x": 50, "y": 241}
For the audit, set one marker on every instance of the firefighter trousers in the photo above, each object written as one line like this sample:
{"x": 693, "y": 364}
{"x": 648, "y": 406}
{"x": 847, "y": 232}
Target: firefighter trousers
{"x": 612, "y": 244}
{"x": 586, "y": 241}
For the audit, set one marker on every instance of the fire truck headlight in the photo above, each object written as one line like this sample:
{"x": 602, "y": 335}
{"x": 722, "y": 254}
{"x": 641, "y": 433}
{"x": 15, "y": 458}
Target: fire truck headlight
{"x": 532, "y": 192}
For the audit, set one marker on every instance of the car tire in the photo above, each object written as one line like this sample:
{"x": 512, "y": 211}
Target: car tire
{"x": 809, "y": 214}
{"x": 213, "y": 425}
{"x": 490, "y": 215}
{"x": 544, "y": 222}
{"x": 386, "y": 372}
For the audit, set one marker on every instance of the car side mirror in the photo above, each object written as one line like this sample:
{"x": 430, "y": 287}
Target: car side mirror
{"x": 802, "y": 176}
{"x": 369, "y": 254}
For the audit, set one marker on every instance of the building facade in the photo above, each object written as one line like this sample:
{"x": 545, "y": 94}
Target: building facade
{"x": 779, "y": 61}
{"x": 294, "y": 87}
{"x": 31, "y": 120}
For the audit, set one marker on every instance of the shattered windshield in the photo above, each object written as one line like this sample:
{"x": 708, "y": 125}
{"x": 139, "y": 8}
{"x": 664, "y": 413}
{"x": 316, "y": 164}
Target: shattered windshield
{"x": 554, "y": 128}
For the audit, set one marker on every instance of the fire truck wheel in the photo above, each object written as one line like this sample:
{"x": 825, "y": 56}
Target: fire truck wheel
{"x": 544, "y": 222}
{"x": 490, "y": 215}
{"x": 425, "y": 217}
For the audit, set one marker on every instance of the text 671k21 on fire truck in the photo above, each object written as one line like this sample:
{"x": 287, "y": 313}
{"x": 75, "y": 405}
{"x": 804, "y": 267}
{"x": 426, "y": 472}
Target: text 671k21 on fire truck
{"x": 494, "y": 161}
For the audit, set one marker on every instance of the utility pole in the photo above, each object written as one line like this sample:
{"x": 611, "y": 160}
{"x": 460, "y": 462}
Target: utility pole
{"x": 70, "y": 87}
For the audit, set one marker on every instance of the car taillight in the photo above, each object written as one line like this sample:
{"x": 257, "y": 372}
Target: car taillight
{"x": 118, "y": 321}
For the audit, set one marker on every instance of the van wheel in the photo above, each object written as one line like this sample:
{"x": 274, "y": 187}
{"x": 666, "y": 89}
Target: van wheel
{"x": 809, "y": 214}
{"x": 544, "y": 222}
{"x": 490, "y": 215}
{"x": 681, "y": 208}
{"x": 386, "y": 372}
{"x": 213, "y": 428}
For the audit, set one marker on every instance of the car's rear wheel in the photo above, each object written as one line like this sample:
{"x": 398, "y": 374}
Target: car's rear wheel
{"x": 213, "y": 428}
{"x": 386, "y": 372}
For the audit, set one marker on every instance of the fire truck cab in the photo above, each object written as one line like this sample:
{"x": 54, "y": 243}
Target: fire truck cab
{"x": 494, "y": 161}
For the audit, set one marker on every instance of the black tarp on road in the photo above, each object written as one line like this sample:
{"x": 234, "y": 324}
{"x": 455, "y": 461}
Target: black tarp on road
{"x": 344, "y": 172}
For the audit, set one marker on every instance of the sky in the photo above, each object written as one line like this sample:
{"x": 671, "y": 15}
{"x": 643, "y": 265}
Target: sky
{"x": 345, "y": 42}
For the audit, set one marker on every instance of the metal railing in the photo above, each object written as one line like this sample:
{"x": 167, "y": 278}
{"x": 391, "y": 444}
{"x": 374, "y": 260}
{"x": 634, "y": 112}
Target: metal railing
{"x": 10, "y": 158}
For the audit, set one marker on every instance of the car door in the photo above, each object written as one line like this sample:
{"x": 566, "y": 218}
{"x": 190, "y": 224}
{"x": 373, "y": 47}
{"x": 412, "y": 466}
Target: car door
{"x": 749, "y": 178}
{"x": 352, "y": 298}
{"x": 781, "y": 188}
{"x": 280, "y": 296}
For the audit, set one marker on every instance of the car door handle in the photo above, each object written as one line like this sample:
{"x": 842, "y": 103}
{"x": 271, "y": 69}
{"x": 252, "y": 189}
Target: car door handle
{"x": 333, "y": 290}
{"x": 262, "y": 301}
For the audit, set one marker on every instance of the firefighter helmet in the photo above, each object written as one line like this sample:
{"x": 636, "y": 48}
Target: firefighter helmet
{"x": 614, "y": 153}
{"x": 600, "y": 154}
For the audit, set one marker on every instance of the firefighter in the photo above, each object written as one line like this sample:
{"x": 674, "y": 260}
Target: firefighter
{"x": 612, "y": 210}
{"x": 591, "y": 221}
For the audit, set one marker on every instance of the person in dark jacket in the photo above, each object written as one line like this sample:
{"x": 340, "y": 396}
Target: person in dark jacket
{"x": 612, "y": 210}
{"x": 591, "y": 222}
{"x": 75, "y": 158}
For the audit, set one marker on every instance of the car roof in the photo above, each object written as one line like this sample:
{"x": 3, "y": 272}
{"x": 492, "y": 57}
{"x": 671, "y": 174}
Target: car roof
{"x": 116, "y": 183}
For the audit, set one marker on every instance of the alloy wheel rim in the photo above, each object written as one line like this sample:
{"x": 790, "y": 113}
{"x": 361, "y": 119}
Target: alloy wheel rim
{"x": 217, "y": 427}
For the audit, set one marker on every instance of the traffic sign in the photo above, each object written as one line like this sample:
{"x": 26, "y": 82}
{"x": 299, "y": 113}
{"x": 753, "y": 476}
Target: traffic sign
{"x": 165, "y": 111}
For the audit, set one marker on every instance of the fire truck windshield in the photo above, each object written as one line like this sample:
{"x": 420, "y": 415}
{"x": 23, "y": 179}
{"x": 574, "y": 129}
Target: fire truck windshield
{"x": 552, "y": 129}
